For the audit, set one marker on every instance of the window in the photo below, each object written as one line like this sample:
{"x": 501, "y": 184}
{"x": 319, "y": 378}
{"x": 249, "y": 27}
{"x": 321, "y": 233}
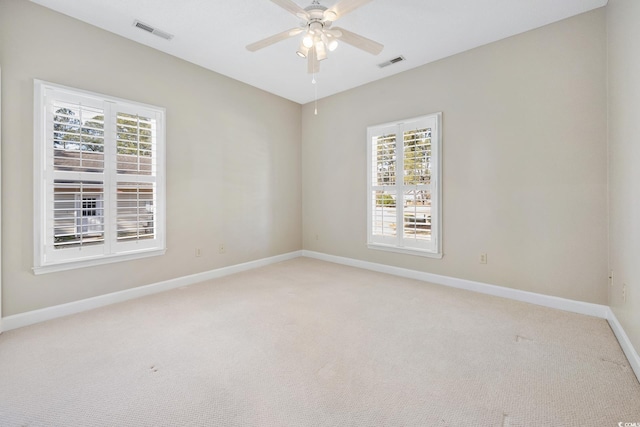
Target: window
{"x": 99, "y": 179}
{"x": 404, "y": 209}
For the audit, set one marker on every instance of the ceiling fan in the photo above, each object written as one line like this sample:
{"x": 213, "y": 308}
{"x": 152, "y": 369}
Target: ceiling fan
{"x": 319, "y": 37}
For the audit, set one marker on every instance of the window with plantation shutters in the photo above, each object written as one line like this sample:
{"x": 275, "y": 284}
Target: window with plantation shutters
{"x": 404, "y": 209}
{"x": 99, "y": 179}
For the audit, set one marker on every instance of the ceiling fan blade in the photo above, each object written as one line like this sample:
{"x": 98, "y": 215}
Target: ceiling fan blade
{"x": 291, "y": 7}
{"x": 359, "y": 41}
{"x": 343, "y": 7}
{"x": 273, "y": 39}
{"x": 313, "y": 65}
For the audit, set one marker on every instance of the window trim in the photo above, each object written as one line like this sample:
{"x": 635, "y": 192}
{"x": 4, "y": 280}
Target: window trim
{"x": 42, "y": 176}
{"x": 436, "y": 175}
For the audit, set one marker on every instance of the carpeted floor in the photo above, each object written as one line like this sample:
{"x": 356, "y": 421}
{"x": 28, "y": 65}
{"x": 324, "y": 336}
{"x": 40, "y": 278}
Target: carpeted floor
{"x": 309, "y": 343}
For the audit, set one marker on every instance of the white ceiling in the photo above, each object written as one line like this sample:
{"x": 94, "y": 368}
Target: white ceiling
{"x": 214, "y": 33}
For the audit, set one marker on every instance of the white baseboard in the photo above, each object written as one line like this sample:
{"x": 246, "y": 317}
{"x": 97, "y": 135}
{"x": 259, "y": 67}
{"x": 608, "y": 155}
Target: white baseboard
{"x": 589, "y": 309}
{"x": 625, "y": 343}
{"x": 36, "y": 316}
{"x": 595, "y": 310}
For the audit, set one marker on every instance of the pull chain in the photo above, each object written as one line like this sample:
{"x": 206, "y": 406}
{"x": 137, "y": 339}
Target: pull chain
{"x": 313, "y": 81}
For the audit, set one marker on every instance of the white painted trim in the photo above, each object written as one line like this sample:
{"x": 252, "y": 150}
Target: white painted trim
{"x": 98, "y": 260}
{"x": 625, "y": 342}
{"x": 589, "y": 309}
{"x": 1, "y": 328}
{"x": 36, "y": 316}
{"x": 406, "y": 251}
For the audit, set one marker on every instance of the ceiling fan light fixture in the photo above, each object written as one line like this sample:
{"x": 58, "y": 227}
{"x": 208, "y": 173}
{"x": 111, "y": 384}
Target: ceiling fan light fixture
{"x": 307, "y": 41}
{"x": 330, "y": 42}
{"x": 303, "y": 51}
{"x": 321, "y": 51}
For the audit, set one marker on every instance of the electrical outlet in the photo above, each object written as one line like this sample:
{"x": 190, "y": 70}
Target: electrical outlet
{"x": 198, "y": 252}
{"x": 624, "y": 292}
{"x": 221, "y": 248}
{"x": 483, "y": 258}
{"x": 317, "y": 237}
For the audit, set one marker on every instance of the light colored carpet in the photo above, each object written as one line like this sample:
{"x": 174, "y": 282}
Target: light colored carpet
{"x": 309, "y": 343}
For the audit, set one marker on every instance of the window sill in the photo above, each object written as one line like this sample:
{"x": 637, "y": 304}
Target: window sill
{"x": 407, "y": 251}
{"x": 72, "y": 265}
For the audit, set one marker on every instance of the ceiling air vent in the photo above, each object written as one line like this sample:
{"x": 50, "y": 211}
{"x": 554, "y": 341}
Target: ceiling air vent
{"x": 150, "y": 29}
{"x": 392, "y": 61}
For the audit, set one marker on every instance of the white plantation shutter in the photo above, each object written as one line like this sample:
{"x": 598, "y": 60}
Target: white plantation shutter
{"x": 74, "y": 175}
{"x": 136, "y": 178}
{"x": 78, "y": 214}
{"x": 134, "y": 211}
{"x": 383, "y": 192}
{"x": 99, "y": 185}
{"x": 404, "y": 186}
{"x": 416, "y": 188}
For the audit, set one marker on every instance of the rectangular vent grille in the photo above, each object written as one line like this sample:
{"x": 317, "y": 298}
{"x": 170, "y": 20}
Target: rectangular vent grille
{"x": 392, "y": 61}
{"x": 150, "y": 29}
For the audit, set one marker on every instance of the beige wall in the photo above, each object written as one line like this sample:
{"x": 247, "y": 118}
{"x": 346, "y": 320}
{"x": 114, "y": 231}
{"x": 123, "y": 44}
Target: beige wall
{"x": 233, "y": 156}
{"x": 623, "y": 17}
{"x": 524, "y": 149}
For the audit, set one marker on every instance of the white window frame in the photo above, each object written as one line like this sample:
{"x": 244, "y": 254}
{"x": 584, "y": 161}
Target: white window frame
{"x": 47, "y": 259}
{"x": 397, "y": 243}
